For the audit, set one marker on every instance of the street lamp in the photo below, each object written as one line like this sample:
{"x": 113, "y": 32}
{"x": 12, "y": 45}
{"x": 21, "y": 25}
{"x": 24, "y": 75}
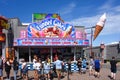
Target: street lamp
{"x": 91, "y": 39}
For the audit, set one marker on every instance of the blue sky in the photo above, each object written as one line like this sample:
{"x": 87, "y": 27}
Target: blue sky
{"x": 77, "y": 12}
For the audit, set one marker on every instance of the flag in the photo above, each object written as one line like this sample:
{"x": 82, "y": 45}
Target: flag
{"x": 99, "y": 26}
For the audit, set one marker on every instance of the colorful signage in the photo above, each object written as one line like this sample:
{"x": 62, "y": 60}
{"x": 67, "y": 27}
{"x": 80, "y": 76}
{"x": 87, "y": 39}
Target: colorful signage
{"x": 50, "y": 42}
{"x": 36, "y": 17}
{"x": 3, "y": 22}
{"x": 50, "y": 27}
{"x": 80, "y": 35}
{"x": 23, "y": 34}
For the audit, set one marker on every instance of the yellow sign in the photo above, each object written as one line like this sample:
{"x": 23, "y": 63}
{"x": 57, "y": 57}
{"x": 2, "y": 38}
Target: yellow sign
{"x": 3, "y": 23}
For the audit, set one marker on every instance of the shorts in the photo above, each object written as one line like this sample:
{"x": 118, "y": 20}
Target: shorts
{"x": 46, "y": 71}
{"x": 91, "y": 68}
{"x": 97, "y": 69}
{"x": 114, "y": 70}
{"x": 58, "y": 71}
{"x": 1, "y": 72}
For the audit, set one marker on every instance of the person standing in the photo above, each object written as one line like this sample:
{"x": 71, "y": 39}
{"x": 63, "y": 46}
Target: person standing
{"x": 47, "y": 70}
{"x": 7, "y": 68}
{"x": 113, "y": 64}
{"x": 97, "y": 63}
{"x": 1, "y": 68}
{"x": 91, "y": 67}
{"x": 84, "y": 65}
{"x": 15, "y": 68}
{"x": 58, "y": 64}
{"x": 24, "y": 69}
{"x": 79, "y": 64}
{"x": 37, "y": 70}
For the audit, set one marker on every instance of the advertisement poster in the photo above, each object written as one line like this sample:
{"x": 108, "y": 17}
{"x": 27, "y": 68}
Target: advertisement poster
{"x": 50, "y": 42}
{"x": 50, "y": 28}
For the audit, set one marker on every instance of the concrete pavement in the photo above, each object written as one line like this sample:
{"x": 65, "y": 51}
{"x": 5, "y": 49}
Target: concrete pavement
{"x": 104, "y": 73}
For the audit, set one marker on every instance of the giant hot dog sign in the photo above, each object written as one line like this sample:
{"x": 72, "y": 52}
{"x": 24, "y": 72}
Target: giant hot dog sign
{"x": 51, "y": 28}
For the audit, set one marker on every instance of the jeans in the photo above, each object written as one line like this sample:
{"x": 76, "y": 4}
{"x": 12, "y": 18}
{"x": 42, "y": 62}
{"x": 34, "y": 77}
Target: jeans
{"x": 15, "y": 74}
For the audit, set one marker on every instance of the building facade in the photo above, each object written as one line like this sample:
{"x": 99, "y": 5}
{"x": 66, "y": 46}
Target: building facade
{"x": 39, "y": 38}
{"x": 108, "y": 51}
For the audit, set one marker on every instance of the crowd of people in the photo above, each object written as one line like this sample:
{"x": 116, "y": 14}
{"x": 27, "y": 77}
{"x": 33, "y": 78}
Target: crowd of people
{"x": 43, "y": 70}
{"x": 95, "y": 66}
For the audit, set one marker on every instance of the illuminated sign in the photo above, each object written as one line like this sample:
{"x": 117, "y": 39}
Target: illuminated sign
{"x": 50, "y": 42}
{"x": 50, "y": 27}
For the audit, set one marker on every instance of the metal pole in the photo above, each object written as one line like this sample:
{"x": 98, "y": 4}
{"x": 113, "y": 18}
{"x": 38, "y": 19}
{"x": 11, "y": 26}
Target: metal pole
{"x": 68, "y": 71}
{"x": 91, "y": 41}
{"x": 51, "y": 57}
{"x": 74, "y": 53}
{"x": 29, "y": 54}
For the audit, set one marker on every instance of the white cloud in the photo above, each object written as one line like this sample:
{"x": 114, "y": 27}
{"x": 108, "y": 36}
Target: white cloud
{"x": 112, "y": 25}
{"x": 67, "y": 9}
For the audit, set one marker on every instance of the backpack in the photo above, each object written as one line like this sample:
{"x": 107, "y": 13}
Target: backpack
{"x": 1, "y": 63}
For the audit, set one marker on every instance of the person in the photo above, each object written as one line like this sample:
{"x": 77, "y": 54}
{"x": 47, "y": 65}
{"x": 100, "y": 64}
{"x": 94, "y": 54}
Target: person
{"x": 97, "y": 63}
{"x": 84, "y": 65}
{"x": 58, "y": 65}
{"x": 91, "y": 67}
{"x": 35, "y": 59}
{"x": 55, "y": 57}
{"x": 15, "y": 68}
{"x": 37, "y": 69}
{"x": 1, "y": 68}
{"x": 24, "y": 69}
{"x": 69, "y": 66}
{"x": 7, "y": 68}
{"x": 113, "y": 64}
{"x": 47, "y": 69}
{"x": 79, "y": 64}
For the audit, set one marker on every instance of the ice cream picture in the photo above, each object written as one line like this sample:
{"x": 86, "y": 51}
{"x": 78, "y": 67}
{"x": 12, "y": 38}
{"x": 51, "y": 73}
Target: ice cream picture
{"x": 34, "y": 32}
{"x": 99, "y": 25}
{"x": 53, "y": 31}
{"x": 67, "y": 32}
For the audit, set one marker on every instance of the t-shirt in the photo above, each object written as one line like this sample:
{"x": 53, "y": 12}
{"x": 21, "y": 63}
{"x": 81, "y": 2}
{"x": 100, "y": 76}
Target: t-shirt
{"x": 47, "y": 66}
{"x": 91, "y": 62}
{"x": 37, "y": 65}
{"x": 113, "y": 64}
{"x": 58, "y": 64}
{"x": 97, "y": 63}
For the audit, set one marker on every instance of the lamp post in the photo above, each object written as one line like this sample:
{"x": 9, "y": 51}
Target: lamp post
{"x": 91, "y": 39}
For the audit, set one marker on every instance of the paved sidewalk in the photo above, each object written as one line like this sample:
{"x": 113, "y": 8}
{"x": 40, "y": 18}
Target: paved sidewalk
{"x": 104, "y": 73}
{"x": 103, "y": 76}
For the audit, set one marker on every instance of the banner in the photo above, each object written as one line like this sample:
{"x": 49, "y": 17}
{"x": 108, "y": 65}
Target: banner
{"x": 50, "y": 27}
{"x": 50, "y": 42}
{"x": 36, "y": 17}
